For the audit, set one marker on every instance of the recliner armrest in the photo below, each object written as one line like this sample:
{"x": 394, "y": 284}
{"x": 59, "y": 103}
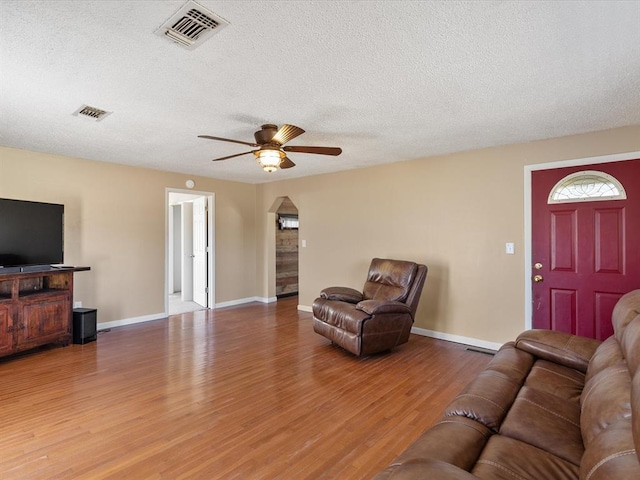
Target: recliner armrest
{"x": 373, "y": 307}
{"x": 342, "y": 294}
{"x": 559, "y": 347}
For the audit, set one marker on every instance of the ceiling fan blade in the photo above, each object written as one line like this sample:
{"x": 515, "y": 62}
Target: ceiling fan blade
{"x": 286, "y": 163}
{"x": 318, "y": 150}
{"x": 232, "y": 156}
{"x": 228, "y": 140}
{"x": 287, "y": 133}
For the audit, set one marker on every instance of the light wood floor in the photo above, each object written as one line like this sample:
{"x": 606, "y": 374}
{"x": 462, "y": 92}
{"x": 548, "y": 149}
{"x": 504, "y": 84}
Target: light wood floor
{"x": 248, "y": 392}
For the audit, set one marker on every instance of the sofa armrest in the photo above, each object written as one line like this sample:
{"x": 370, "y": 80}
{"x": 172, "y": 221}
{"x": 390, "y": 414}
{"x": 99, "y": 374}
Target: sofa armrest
{"x": 373, "y": 307}
{"x": 559, "y": 347}
{"x": 341, "y": 294}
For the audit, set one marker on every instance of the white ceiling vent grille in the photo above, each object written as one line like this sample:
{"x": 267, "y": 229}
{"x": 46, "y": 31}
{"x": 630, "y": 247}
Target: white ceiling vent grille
{"x": 93, "y": 113}
{"x": 191, "y": 25}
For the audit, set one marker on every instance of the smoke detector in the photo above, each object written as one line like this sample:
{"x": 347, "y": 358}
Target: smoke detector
{"x": 191, "y": 25}
{"x": 92, "y": 113}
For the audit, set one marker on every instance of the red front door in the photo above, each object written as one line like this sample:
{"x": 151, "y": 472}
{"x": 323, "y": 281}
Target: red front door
{"x": 586, "y": 254}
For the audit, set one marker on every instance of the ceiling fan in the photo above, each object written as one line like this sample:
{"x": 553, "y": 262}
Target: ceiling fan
{"x": 270, "y": 141}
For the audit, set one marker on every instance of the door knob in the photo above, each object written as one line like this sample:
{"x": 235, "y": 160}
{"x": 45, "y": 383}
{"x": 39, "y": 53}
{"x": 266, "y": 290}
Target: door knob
{"x": 537, "y": 278}
{"x": 537, "y": 266}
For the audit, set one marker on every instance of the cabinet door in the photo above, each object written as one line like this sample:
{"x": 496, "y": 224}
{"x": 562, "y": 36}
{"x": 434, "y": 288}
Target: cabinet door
{"x": 44, "y": 320}
{"x": 6, "y": 329}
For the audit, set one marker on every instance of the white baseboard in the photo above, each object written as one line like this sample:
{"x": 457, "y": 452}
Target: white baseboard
{"x": 456, "y": 338}
{"x": 241, "y": 301}
{"x": 305, "y": 308}
{"x": 131, "y": 321}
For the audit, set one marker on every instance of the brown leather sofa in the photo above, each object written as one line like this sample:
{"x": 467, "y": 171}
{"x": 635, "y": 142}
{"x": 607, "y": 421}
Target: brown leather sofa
{"x": 548, "y": 406}
{"x": 378, "y": 318}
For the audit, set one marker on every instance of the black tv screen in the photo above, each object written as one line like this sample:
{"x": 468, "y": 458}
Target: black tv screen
{"x": 31, "y": 233}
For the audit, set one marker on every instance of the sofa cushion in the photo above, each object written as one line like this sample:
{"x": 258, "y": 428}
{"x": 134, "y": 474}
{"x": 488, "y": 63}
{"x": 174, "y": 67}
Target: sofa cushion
{"x": 514, "y": 363}
{"x": 506, "y": 458}
{"x": 547, "y": 422}
{"x": 630, "y": 345}
{"x": 455, "y": 440}
{"x": 606, "y": 355}
{"x": 626, "y": 309}
{"x": 605, "y": 399}
{"x": 424, "y": 469}
{"x": 557, "y": 380}
{"x": 489, "y": 396}
{"x": 611, "y": 454}
{"x": 389, "y": 280}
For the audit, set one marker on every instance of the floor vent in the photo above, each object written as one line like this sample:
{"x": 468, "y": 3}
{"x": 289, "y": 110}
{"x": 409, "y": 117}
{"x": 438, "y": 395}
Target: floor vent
{"x": 93, "y": 113}
{"x": 486, "y": 351}
{"x": 191, "y": 25}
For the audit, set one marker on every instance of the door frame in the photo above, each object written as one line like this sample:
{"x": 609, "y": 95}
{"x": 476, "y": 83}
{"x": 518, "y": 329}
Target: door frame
{"x": 211, "y": 275}
{"x": 528, "y": 169}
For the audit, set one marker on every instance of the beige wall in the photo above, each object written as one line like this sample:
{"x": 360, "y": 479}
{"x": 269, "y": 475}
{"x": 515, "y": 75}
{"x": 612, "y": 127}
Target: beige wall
{"x": 454, "y": 213}
{"x": 115, "y": 223}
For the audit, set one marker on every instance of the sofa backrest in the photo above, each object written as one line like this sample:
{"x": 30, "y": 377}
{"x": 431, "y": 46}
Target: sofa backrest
{"x": 626, "y": 309}
{"x": 389, "y": 280}
{"x": 610, "y": 401}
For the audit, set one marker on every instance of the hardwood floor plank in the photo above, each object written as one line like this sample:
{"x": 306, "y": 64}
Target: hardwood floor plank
{"x": 248, "y": 392}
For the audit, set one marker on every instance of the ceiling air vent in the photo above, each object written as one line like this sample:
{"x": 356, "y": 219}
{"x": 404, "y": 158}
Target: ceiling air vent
{"x": 93, "y": 113}
{"x": 191, "y": 25}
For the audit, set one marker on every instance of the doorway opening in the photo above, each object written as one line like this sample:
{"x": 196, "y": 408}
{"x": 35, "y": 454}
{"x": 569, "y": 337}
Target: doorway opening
{"x": 189, "y": 258}
{"x": 283, "y": 215}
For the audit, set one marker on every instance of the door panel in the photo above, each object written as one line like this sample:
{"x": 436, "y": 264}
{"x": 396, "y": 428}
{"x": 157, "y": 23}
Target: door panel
{"x": 200, "y": 251}
{"x": 589, "y": 252}
{"x": 563, "y": 310}
{"x": 187, "y": 252}
{"x": 563, "y": 241}
{"x": 609, "y": 240}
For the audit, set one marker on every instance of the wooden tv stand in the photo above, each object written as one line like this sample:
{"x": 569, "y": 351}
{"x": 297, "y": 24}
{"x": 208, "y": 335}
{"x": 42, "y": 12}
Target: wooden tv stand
{"x": 36, "y": 308}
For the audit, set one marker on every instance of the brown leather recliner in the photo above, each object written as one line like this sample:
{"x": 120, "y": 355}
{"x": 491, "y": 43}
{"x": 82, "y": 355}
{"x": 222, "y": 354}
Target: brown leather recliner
{"x": 378, "y": 318}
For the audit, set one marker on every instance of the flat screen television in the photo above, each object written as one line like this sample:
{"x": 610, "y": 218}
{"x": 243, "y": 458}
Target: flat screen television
{"x": 31, "y": 233}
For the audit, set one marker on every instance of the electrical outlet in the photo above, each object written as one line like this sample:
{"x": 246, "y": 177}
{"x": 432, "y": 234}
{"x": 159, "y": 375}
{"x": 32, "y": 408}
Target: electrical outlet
{"x": 510, "y": 248}
{"x": 77, "y": 304}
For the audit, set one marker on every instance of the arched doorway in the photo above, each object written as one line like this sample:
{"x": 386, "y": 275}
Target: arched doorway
{"x": 286, "y": 245}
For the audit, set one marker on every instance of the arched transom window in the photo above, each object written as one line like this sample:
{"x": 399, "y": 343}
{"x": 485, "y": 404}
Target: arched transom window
{"x": 589, "y": 185}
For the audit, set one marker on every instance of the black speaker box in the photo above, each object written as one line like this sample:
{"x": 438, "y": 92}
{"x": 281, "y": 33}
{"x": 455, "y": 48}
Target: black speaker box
{"x": 85, "y": 325}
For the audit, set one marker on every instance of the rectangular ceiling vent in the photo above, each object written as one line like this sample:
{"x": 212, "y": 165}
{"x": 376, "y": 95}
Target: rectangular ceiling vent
{"x": 93, "y": 113}
{"x": 191, "y": 25}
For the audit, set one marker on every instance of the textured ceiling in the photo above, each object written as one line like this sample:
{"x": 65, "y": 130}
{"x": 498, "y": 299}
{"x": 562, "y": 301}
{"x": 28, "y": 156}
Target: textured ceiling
{"x": 387, "y": 80}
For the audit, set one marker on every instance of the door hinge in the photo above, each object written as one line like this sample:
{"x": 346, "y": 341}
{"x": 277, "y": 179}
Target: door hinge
{"x": 206, "y": 289}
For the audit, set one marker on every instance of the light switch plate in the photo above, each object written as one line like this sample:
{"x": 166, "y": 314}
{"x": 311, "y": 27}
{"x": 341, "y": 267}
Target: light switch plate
{"x": 510, "y": 248}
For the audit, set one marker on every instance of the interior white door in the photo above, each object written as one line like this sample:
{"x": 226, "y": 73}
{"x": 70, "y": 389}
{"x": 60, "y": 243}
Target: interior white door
{"x": 187, "y": 252}
{"x": 200, "y": 251}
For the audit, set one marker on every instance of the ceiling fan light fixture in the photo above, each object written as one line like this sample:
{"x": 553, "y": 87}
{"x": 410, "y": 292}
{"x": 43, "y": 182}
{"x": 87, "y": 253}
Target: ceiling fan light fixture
{"x": 269, "y": 159}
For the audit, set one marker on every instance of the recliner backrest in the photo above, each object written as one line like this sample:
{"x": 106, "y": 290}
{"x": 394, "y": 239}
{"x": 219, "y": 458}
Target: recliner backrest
{"x": 389, "y": 280}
